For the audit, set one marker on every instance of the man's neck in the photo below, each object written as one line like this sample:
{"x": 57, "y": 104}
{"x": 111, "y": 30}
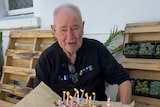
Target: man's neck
{"x": 71, "y": 56}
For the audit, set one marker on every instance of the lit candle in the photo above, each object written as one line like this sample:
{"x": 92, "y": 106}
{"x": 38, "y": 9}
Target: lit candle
{"x": 60, "y": 103}
{"x": 77, "y": 97}
{"x": 68, "y": 94}
{"x": 108, "y": 102}
{"x": 94, "y": 96}
{"x": 82, "y": 91}
{"x": 64, "y": 92}
{"x": 75, "y": 93}
{"x": 74, "y": 97}
{"x": 90, "y": 101}
{"x": 86, "y": 95}
{"x": 71, "y": 101}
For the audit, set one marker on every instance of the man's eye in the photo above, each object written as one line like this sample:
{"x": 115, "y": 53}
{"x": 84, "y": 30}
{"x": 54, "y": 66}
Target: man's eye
{"x": 63, "y": 30}
{"x": 75, "y": 28}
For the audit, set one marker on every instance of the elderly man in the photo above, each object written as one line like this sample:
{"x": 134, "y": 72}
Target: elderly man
{"x": 77, "y": 62}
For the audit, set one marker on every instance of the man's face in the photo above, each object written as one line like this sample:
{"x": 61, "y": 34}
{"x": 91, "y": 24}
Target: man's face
{"x": 68, "y": 30}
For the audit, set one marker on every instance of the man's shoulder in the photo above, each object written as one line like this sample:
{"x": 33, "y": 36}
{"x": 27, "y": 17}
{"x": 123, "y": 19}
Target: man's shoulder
{"x": 93, "y": 42}
{"x": 52, "y": 49}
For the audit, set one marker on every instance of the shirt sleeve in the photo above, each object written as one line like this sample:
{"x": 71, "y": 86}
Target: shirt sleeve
{"x": 42, "y": 71}
{"x": 113, "y": 72}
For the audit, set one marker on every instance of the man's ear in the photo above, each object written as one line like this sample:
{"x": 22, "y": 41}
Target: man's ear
{"x": 83, "y": 23}
{"x": 53, "y": 28}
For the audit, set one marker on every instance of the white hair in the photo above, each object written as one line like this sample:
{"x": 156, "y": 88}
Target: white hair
{"x": 70, "y": 6}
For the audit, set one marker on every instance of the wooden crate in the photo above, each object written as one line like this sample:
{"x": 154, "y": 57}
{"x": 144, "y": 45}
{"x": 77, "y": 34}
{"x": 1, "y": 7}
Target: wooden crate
{"x": 142, "y": 67}
{"x": 23, "y": 51}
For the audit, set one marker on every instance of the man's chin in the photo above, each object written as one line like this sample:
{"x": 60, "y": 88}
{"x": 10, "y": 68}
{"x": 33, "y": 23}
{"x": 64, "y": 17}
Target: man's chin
{"x": 70, "y": 51}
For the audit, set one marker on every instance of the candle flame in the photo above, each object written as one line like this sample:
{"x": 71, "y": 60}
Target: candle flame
{"x": 70, "y": 97}
{"x": 68, "y": 93}
{"x": 86, "y": 94}
{"x": 64, "y": 92}
{"x": 82, "y": 90}
{"x": 59, "y": 101}
{"x": 94, "y": 93}
{"x": 75, "y": 90}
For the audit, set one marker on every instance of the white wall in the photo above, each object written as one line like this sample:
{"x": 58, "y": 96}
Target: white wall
{"x": 2, "y": 12}
{"x": 102, "y": 15}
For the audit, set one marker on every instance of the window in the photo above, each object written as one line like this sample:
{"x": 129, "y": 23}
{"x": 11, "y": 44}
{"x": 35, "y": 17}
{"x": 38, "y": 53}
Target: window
{"x": 16, "y": 7}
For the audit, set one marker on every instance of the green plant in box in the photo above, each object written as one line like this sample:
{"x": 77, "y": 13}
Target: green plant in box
{"x": 130, "y": 49}
{"x": 158, "y": 50}
{"x": 146, "y": 48}
{"x": 155, "y": 88}
{"x": 142, "y": 87}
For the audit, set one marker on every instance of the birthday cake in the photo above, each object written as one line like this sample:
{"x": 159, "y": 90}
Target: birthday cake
{"x": 79, "y": 101}
{"x": 75, "y": 104}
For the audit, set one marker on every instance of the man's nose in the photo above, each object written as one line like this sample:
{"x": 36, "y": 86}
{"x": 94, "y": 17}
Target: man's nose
{"x": 70, "y": 33}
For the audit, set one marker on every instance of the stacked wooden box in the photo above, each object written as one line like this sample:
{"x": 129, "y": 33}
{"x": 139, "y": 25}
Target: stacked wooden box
{"x": 143, "y": 68}
{"x": 23, "y": 51}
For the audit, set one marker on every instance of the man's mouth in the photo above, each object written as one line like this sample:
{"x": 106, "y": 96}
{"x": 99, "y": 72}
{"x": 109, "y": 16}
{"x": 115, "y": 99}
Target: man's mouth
{"x": 71, "y": 43}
